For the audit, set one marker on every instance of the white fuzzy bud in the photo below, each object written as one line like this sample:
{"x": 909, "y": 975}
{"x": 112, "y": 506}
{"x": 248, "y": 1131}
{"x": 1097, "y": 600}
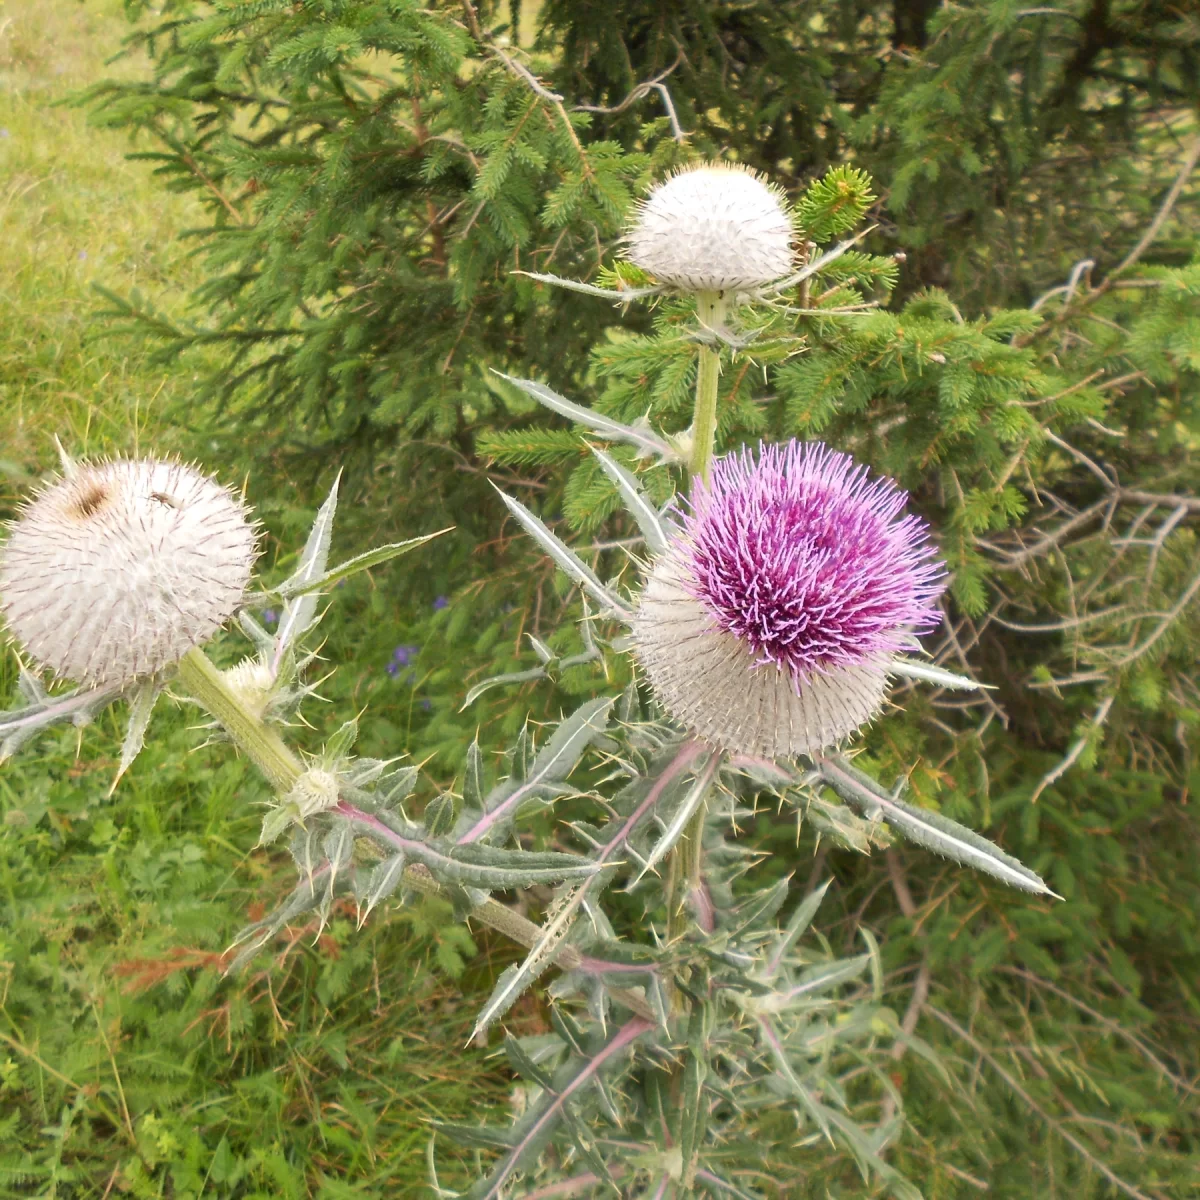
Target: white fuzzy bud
{"x": 254, "y": 684}
{"x": 314, "y": 792}
{"x": 116, "y": 571}
{"x": 713, "y": 228}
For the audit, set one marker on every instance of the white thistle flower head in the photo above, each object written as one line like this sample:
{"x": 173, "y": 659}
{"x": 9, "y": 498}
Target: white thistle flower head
{"x": 114, "y": 572}
{"x": 713, "y": 228}
{"x": 769, "y": 623}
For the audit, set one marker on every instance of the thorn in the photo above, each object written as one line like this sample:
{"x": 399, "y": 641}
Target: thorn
{"x": 68, "y": 463}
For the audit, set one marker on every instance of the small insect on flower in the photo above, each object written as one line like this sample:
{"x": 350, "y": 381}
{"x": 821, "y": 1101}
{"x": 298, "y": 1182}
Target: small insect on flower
{"x": 768, "y": 625}
{"x": 713, "y": 228}
{"x": 114, "y": 572}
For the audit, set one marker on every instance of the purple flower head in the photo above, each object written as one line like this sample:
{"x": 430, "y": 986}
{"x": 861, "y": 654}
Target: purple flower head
{"x": 440, "y": 603}
{"x": 769, "y": 624}
{"x": 807, "y": 560}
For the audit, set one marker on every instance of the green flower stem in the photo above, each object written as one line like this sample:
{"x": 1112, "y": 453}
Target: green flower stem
{"x": 685, "y": 865}
{"x": 710, "y": 312}
{"x": 251, "y": 734}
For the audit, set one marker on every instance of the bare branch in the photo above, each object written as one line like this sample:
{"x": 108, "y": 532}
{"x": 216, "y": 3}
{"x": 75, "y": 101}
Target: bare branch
{"x": 639, "y": 92}
{"x": 1098, "y": 719}
{"x": 1074, "y": 302}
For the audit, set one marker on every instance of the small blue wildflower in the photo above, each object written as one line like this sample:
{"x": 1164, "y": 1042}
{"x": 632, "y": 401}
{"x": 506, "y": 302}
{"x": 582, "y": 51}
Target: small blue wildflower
{"x": 270, "y": 616}
{"x": 405, "y": 654}
{"x": 393, "y": 669}
{"x": 440, "y": 603}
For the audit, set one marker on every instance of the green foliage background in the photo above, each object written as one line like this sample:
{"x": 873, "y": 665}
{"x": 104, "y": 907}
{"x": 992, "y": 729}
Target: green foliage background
{"x": 363, "y": 178}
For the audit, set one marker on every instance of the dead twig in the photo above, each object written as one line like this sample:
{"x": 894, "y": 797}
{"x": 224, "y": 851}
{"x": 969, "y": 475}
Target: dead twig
{"x": 1072, "y": 756}
{"x": 1078, "y": 1146}
{"x": 639, "y": 92}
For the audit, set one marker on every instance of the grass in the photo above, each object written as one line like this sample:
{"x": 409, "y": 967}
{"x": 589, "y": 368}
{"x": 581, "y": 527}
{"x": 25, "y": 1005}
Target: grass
{"x": 73, "y": 212}
{"x": 129, "y": 1065}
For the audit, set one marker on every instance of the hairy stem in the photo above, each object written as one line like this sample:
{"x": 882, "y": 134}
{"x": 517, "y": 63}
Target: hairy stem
{"x": 685, "y": 866}
{"x": 251, "y": 734}
{"x": 710, "y": 311}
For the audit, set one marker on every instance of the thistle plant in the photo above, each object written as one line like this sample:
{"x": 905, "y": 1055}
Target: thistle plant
{"x": 703, "y": 1038}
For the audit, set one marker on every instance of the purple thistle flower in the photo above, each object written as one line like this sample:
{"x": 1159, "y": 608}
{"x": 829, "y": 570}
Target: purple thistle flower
{"x": 769, "y": 624}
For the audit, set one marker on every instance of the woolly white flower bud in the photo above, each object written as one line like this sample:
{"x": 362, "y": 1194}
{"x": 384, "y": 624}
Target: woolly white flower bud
{"x": 315, "y": 791}
{"x": 254, "y": 683}
{"x": 115, "y": 572}
{"x": 713, "y": 228}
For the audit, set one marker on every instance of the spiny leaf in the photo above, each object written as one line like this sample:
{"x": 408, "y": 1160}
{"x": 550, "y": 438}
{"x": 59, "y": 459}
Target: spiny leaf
{"x": 485, "y": 685}
{"x": 801, "y": 920}
{"x": 141, "y": 709}
{"x": 642, "y": 511}
{"x": 813, "y": 982}
{"x": 929, "y": 829}
{"x": 911, "y": 669}
{"x": 795, "y": 1085}
{"x": 536, "y": 1127}
{"x": 79, "y": 707}
{"x": 645, "y": 441}
{"x": 555, "y": 761}
{"x": 683, "y": 813}
{"x": 518, "y": 977}
{"x": 383, "y": 880}
{"x": 300, "y": 612}
{"x": 566, "y": 558}
{"x": 473, "y": 777}
{"x": 588, "y": 289}
{"x": 361, "y": 562}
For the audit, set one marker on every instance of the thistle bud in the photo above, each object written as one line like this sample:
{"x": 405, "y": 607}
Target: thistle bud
{"x": 768, "y": 625}
{"x": 716, "y": 228}
{"x": 114, "y": 572}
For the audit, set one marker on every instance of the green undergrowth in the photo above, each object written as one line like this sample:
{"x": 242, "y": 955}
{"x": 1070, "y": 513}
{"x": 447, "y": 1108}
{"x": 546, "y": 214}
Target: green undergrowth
{"x": 129, "y": 1064}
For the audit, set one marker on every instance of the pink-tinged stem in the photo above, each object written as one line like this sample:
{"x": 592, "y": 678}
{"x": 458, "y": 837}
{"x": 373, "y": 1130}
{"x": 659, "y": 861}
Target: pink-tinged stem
{"x": 629, "y": 1032}
{"x": 572, "y": 1186}
{"x": 689, "y": 751}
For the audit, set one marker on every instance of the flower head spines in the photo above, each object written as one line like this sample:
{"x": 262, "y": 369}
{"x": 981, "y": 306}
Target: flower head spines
{"x": 114, "y": 572}
{"x": 807, "y": 560}
{"x": 710, "y": 681}
{"x": 769, "y": 624}
{"x": 714, "y": 227}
